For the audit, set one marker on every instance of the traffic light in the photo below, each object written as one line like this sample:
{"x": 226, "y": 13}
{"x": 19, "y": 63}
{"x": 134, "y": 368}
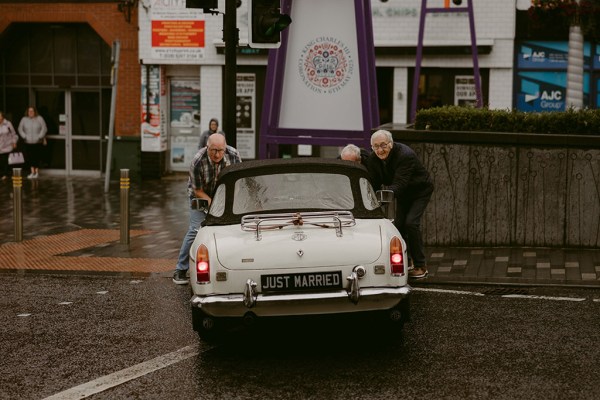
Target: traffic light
{"x": 265, "y": 23}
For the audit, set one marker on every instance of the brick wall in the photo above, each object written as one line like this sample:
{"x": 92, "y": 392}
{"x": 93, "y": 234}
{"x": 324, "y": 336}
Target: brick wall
{"x": 110, "y": 25}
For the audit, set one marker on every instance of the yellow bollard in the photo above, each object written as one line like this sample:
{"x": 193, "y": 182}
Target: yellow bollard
{"x": 125, "y": 184}
{"x": 17, "y": 181}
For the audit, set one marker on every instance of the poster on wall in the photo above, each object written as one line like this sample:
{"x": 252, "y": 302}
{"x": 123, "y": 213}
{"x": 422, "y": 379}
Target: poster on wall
{"x": 184, "y": 122}
{"x": 183, "y": 149}
{"x": 177, "y": 32}
{"x": 244, "y": 115}
{"x": 153, "y": 133}
{"x": 185, "y": 106}
{"x": 465, "y": 94}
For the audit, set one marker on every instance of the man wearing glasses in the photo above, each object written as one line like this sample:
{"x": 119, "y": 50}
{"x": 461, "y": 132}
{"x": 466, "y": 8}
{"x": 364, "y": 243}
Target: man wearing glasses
{"x": 396, "y": 167}
{"x": 202, "y": 182}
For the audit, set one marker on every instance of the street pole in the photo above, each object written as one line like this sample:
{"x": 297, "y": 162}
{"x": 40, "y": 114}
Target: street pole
{"x": 231, "y": 39}
{"x": 114, "y": 79}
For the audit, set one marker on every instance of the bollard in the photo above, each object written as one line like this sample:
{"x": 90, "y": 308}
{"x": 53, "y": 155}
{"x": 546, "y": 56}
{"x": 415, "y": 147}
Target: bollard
{"x": 17, "y": 180}
{"x": 124, "y": 206}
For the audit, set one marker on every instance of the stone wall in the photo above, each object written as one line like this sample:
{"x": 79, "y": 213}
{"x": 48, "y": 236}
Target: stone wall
{"x": 501, "y": 189}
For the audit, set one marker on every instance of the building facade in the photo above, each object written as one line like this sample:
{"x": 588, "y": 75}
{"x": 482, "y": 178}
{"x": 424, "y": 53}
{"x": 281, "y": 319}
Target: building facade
{"x": 57, "y": 55}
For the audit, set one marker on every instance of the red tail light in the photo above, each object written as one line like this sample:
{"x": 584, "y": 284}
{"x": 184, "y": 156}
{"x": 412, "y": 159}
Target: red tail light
{"x": 396, "y": 258}
{"x": 202, "y": 265}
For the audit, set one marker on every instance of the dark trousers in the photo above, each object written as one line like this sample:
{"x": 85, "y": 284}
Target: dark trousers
{"x": 33, "y": 154}
{"x": 409, "y": 211}
{"x": 4, "y": 168}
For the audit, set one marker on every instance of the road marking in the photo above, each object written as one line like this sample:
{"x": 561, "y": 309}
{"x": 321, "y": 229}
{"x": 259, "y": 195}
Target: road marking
{"x": 528, "y": 296}
{"x": 448, "y": 291}
{"x": 508, "y": 296}
{"x": 117, "y": 378}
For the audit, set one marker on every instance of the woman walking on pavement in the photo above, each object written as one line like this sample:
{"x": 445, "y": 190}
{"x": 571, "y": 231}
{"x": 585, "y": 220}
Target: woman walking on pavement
{"x": 8, "y": 142}
{"x": 32, "y": 129}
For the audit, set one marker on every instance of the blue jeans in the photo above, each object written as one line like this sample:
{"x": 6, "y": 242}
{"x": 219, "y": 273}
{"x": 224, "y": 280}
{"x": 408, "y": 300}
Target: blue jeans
{"x": 196, "y": 218}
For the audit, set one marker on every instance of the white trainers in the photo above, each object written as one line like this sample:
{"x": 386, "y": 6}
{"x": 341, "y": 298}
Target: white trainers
{"x": 31, "y": 176}
{"x": 35, "y": 176}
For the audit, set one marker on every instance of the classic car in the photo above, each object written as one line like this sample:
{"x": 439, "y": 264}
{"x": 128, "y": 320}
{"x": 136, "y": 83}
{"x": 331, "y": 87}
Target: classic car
{"x": 296, "y": 237}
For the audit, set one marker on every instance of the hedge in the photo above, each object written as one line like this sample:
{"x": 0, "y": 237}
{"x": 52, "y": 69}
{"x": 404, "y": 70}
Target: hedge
{"x": 454, "y": 118}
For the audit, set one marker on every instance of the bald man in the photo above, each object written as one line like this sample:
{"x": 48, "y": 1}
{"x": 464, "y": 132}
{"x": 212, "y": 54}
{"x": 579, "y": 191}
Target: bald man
{"x": 202, "y": 182}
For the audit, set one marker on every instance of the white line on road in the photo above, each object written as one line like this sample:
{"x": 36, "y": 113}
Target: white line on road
{"x": 508, "y": 296}
{"x": 527, "y": 296}
{"x": 125, "y": 375}
{"x": 448, "y": 291}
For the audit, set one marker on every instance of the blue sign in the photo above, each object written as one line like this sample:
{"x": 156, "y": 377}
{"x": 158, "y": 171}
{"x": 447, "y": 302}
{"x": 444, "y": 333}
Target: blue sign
{"x": 545, "y": 91}
{"x": 548, "y": 55}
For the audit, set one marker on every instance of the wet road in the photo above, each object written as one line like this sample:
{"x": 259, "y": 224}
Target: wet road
{"x": 60, "y": 332}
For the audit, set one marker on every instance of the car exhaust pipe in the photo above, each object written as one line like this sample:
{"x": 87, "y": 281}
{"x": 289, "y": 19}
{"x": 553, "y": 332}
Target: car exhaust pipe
{"x": 208, "y": 323}
{"x": 249, "y": 319}
{"x": 395, "y": 315}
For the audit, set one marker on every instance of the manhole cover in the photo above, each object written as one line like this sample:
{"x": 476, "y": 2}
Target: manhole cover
{"x": 504, "y": 291}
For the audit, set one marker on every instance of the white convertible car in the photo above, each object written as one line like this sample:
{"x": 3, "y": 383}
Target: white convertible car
{"x": 295, "y": 237}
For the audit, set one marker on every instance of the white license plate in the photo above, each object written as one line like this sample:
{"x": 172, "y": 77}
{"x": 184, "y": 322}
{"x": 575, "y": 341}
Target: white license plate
{"x": 301, "y": 282}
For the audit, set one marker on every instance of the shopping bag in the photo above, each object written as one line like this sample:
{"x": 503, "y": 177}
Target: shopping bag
{"x": 16, "y": 158}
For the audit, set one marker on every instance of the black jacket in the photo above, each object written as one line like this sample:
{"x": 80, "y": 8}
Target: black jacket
{"x": 402, "y": 172}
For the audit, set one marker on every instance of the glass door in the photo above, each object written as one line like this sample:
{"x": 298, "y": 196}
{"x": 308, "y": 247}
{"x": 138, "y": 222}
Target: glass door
{"x": 51, "y": 106}
{"x": 74, "y": 131}
{"x": 85, "y": 135}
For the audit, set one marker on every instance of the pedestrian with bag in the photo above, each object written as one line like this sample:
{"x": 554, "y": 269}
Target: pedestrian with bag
{"x": 202, "y": 183}
{"x": 8, "y": 143}
{"x": 32, "y": 129}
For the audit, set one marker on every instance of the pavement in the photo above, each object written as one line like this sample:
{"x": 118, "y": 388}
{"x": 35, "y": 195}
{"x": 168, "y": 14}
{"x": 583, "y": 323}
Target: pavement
{"x": 71, "y": 225}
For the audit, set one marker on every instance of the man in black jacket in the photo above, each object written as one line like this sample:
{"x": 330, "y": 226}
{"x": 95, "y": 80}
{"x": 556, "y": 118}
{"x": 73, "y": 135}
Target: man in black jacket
{"x": 396, "y": 167}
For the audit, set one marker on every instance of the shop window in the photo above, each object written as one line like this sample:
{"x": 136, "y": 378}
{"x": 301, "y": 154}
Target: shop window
{"x": 65, "y": 49}
{"x": 40, "y": 48}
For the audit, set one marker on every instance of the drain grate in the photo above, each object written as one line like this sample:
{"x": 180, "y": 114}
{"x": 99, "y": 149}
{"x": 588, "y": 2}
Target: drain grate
{"x": 504, "y": 291}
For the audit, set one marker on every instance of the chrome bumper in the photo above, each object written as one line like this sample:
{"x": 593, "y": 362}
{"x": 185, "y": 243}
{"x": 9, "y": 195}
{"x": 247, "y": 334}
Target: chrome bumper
{"x": 341, "y": 301}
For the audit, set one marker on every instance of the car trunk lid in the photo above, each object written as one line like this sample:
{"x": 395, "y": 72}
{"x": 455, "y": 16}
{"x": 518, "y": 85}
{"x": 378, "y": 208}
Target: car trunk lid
{"x": 293, "y": 247}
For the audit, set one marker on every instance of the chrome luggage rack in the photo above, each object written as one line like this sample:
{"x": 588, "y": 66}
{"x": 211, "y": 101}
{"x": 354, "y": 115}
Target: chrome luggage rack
{"x": 323, "y": 219}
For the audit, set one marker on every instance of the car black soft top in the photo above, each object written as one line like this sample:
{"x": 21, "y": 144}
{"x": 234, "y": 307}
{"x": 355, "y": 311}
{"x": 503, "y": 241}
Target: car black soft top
{"x": 232, "y": 173}
{"x": 262, "y": 167}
